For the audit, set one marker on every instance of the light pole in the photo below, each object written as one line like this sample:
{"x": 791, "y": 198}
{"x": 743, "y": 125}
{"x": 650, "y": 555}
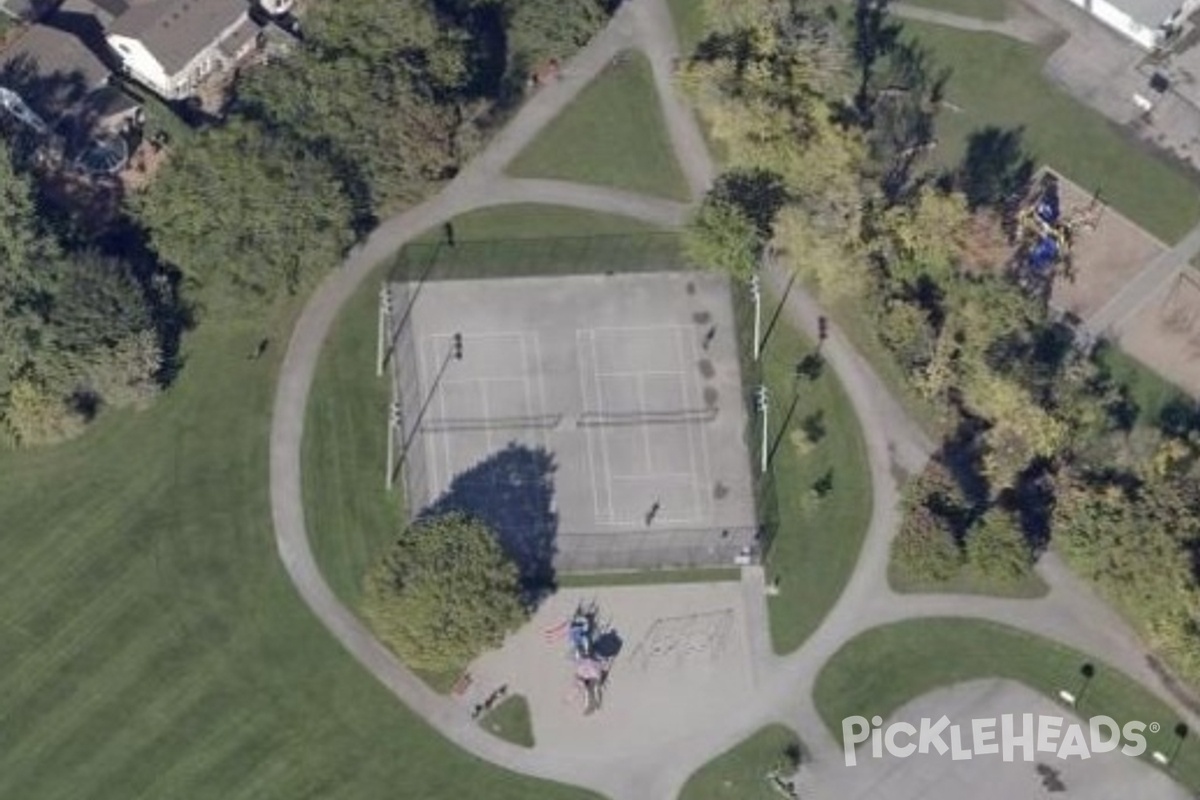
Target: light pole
{"x": 756, "y": 294}
{"x": 393, "y": 423}
{"x": 764, "y": 406}
{"x": 385, "y": 314}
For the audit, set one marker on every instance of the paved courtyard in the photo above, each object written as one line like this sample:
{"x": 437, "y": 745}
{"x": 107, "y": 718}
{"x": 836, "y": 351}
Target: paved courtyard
{"x": 1165, "y": 332}
{"x": 600, "y": 419}
{"x": 1105, "y": 776}
{"x": 683, "y": 661}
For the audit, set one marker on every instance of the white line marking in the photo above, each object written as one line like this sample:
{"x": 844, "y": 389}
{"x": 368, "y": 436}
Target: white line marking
{"x": 603, "y": 436}
{"x": 487, "y": 418}
{"x": 543, "y": 435}
{"x": 649, "y": 373}
{"x": 583, "y": 399}
{"x": 639, "y": 382}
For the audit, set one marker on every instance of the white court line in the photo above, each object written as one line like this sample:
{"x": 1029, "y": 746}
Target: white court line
{"x": 583, "y": 395}
{"x": 487, "y": 417}
{"x": 698, "y": 507}
{"x": 527, "y": 394}
{"x": 641, "y": 401}
{"x": 651, "y": 373}
{"x": 652, "y": 476}
{"x": 603, "y": 436}
{"x": 541, "y": 384}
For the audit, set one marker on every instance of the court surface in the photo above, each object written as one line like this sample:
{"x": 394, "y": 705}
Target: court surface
{"x": 599, "y": 417}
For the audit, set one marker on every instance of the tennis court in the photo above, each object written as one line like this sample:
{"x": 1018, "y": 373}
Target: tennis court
{"x": 604, "y": 413}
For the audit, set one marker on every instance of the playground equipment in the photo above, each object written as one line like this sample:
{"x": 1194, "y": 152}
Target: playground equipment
{"x": 1046, "y": 234}
{"x": 591, "y": 667}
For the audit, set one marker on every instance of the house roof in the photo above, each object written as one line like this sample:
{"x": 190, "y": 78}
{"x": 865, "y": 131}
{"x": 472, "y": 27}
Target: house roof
{"x": 176, "y": 31}
{"x": 47, "y": 55}
{"x": 239, "y": 37}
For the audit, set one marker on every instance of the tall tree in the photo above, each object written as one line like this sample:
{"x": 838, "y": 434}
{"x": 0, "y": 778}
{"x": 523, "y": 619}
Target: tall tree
{"x": 444, "y": 593}
{"x": 242, "y": 217}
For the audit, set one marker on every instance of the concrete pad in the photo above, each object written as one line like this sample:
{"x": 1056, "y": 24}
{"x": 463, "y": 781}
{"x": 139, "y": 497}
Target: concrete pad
{"x": 684, "y": 662}
{"x": 1105, "y": 258}
{"x": 1106, "y": 776}
{"x": 616, "y": 377}
{"x": 1165, "y": 332}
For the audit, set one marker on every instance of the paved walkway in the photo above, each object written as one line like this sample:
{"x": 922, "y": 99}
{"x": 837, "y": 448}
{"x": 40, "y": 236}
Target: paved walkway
{"x": 783, "y": 685}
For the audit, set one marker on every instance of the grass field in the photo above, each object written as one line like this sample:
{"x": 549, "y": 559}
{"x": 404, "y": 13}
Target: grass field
{"x": 152, "y": 644}
{"x": 740, "y": 773}
{"x": 998, "y": 81}
{"x": 994, "y": 10}
{"x": 1150, "y": 392}
{"x": 688, "y": 16}
{"x": 612, "y": 134}
{"x": 510, "y": 721}
{"x": 966, "y": 583}
{"x": 884, "y": 668}
{"x": 818, "y": 540}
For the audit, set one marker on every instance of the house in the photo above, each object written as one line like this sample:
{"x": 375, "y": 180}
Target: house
{"x": 65, "y": 84}
{"x": 172, "y": 46}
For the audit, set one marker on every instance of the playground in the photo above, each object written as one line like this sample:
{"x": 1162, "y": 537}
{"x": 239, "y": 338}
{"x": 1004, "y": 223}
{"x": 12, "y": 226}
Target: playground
{"x": 626, "y": 667}
{"x": 596, "y": 422}
{"x": 1165, "y": 332}
{"x": 1099, "y": 250}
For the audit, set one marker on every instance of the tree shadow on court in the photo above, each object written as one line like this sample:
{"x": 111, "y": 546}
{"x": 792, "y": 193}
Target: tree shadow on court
{"x": 512, "y": 491}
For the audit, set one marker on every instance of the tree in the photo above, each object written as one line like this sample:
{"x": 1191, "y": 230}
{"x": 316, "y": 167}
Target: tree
{"x": 925, "y": 236}
{"x": 35, "y": 416}
{"x": 997, "y": 550}
{"x": 1019, "y": 431}
{"x": 925, "y": 550}
{"x": 443, "y": 593}
{"x": 722, "y": 238}
{"x": 819, "y": 258}
{"x": 539, "y": 30}
{"x": 996, "y": 169}
{"x": 244, "y": 218}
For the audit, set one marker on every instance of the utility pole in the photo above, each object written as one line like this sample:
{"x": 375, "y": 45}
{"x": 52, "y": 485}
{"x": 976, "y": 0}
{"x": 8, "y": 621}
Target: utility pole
{"x": 385, "y": 315}
{"x": 394, "y": 422}
{"x": 763, "y": 408}
{"x": 756, "y": 294}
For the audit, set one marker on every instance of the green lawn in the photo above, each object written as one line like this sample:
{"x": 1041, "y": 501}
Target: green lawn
{"x": 998, "y": 81}
{"x": 741, "y": 773}
{"x": 612, "y": 134}
{"x": 510, "y": 721}
{"x": 817, "y": 540}
{"x": 1151, "y": 393}
{"x": 152, "y": 644}
{"x": 884, "y": 668}
{"x": 688, "y": 16}
{"x": 993, "y": 10}
{"x": 966, "y": 583}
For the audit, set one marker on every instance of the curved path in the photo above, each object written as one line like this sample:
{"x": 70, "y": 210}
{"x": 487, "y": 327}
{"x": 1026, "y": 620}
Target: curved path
{"x": 1069, "y": 613}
